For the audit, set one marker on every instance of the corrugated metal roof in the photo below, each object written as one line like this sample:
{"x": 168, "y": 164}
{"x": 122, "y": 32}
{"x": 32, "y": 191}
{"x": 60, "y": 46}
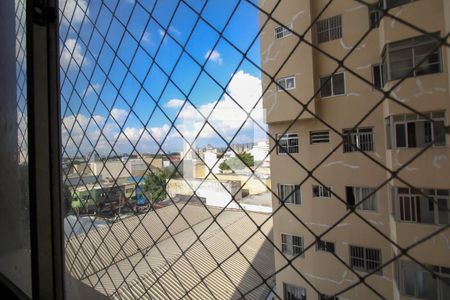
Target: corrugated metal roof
{"x": 123, "y": 262}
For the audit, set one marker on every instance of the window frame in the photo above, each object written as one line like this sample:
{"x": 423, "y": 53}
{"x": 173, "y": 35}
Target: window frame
{"x": 284, "y": 31}
{"x": 415, "y": 212}
{"x": 360, "y": 207}
{"x": 406, "y": 266}
{"x": 374, "y": 11}
{"x": 301, "y": 290}
{"x": 380, "y": 66}
{"x": 365, "y": 259}
{"x": 331, "y": 81}
{"x": 288, "y": 136}
{"x": 288, "y": 248}
{"x": 296, "y": 201}
{"x": 327, "y": 28}
{"x": 278, "y": 85}
{"x": 327, "y": 297}
{"x": 409, "y": 44}
{"x": 325, "y": 246}
{"x": 357, "y": 132}
{"x": 323, "y": 191}
{"x": 392, "y": 123}
{"x": 403, "y": 2}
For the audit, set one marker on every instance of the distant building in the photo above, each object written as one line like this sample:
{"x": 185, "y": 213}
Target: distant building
{"x": 119, "y": 168}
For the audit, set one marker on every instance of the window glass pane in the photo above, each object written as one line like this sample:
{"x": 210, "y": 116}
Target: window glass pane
{"x": 377, "y": 76}
{"x": 443, "y": 210}
{"x": 439, "y": 133}
{"x": 426, "y": 286}
{"x": 400, "y": 137}
{"x": 426, "y": 211}
{"x": 325, "y": 83}
{"x": 412, "y": 138}
{"x": 409, "y": 281}
{"x": 290, "y": 83}
{"x": 401, "y": 63}
{"x": 430, "y": 57}
{"x": 388, "y": 133}
{"x": 338, "y": 84}
{"x": 423, "y": 133}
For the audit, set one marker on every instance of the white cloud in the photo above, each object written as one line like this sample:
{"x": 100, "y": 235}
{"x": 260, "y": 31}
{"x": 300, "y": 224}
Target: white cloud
{"x": 78, "y": 130}
{"x": 119, "y": 114}
{"x": 174, "y": 103}
{"x": 73, "y": 11}
{"x": 72, "y": 54}
{"x": 92, "y": 88}
{"x": 215, "y": 56}
{"x": 227, "y": 116}
{"x": 161, "y": 32}
{"x": 174, "y": 30}
{"x": 135, "y": 134}
{"x": 146, "y": 37}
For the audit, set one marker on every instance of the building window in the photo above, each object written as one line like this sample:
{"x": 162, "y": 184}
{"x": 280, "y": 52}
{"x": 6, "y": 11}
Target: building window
{"x": 292, "y": 244}
{"x": 281, "y": 32}
{"x": 289, "y": 193}
{"x": 364, "y": 259}
{"x": 358, "y": 139}
{"x": 329, "y": 29}
{"x": 321, "y": 191}
{"x": 325, "y": 246}
{"x": 387, "y": 4}
{"x": 288, "y": 143}
{"x": 355, "y": 195}
{"x": 377, "y": 75}
{"x": 400, "y": 58}
{"x": 414, "y": 131}
{"x": 327, "y": 297}
{"x": 292, "y": 292}
{"x": 411, "y": 205}
{"x": 319, "y": 137}
{"x": 332, "y": 85}
{"x": 374, "y": 17}
{"x": 414, "y": 281}
{"x": 286, "y": 84}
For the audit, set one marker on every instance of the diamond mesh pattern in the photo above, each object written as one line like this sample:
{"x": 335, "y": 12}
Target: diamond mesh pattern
{"x": 21, "y": 64}
{"x": 188, "y": 249}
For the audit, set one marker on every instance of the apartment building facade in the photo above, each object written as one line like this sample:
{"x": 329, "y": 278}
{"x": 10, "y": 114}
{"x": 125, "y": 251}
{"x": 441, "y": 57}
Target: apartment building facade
{"x": 334, "y": 157}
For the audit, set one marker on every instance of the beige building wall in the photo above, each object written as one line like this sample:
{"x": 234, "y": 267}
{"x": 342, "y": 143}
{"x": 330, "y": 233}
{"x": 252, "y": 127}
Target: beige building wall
{"x": 253, "y": 185}
{"x": 338, "y": 170}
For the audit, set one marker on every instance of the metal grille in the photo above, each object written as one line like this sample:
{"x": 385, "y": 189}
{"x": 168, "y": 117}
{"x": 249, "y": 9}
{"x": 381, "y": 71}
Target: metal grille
{"x": 120, "y": 64}
{"x": 21, "y": 92}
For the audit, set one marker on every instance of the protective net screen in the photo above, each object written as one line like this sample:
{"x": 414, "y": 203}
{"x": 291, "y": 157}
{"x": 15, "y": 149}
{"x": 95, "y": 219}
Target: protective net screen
{"x": 272, "y": 149}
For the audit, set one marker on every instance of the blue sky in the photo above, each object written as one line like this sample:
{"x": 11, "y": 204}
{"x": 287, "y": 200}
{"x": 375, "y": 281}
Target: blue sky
{"x": 97, "y": 86}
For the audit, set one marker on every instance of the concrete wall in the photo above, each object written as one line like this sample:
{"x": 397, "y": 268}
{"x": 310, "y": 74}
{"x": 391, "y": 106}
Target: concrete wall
{"x": 253, "y": 185}
{"x": 214, "y": 192}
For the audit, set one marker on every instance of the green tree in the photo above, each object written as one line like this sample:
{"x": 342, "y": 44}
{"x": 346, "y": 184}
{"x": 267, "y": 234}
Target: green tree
{"x": 238, "y": 163}
{"x": 171, "y": 173}
{"x": 224, "y": 166}
{"x": 155, "y": 186}
{"x": 247, "y": 158}
{"x": 67, "y": 197}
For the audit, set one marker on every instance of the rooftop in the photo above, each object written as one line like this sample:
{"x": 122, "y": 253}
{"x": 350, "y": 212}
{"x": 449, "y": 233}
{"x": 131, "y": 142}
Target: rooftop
{"x": 164, "y": 255}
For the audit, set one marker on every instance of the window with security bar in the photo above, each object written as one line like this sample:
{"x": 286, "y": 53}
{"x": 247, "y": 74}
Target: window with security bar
{"x": 180, "y": 130}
